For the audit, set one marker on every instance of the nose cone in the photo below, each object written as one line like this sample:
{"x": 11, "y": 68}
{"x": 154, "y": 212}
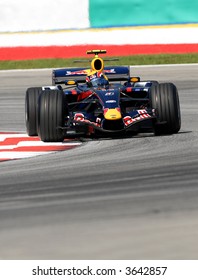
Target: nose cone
{"x": 112, "y": 114}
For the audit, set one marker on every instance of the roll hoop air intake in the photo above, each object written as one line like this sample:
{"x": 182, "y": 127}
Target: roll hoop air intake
{"x": 97, "y": 63}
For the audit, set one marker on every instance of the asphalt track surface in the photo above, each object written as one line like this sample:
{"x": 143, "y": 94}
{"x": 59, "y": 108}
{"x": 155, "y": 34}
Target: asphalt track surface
{"x": 131, "y": 198}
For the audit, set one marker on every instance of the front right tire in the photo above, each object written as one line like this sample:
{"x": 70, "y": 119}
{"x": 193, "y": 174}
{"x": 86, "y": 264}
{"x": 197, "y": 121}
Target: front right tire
{"x": 165, "y": 100}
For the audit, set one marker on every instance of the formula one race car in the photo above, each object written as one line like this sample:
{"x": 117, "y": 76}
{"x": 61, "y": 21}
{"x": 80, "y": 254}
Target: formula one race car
{"x": 100, "y": 101}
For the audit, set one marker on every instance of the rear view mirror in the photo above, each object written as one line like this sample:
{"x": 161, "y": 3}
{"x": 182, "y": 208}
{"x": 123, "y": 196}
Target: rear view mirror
{"x": 70, "y": 83}
{"x": 134, "y": 79}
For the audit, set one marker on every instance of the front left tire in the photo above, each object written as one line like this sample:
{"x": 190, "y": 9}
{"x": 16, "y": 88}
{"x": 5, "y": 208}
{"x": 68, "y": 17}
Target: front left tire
{"x": 51, "y": 115}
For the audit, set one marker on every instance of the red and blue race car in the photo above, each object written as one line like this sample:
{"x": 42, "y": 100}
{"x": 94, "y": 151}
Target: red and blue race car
{"x": 100, "y": 101}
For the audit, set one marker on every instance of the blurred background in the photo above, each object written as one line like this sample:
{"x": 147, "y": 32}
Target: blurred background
{"x": 78, "y": 14}
{"x": 70, "y": 23}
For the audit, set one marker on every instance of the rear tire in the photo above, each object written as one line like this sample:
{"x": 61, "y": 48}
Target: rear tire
{"x": 31, "y": 110}
{"x": 51, "y": 115}
{"x": 165, "y": 100}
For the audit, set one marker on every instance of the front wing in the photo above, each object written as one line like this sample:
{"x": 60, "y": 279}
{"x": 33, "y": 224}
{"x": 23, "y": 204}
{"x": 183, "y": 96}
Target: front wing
{"x": 130, "y": 123}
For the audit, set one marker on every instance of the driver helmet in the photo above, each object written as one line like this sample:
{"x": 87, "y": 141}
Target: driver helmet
{"x": 97, "y": 79}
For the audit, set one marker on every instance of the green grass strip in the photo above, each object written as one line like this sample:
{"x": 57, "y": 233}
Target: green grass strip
{"x": 124, "y": 60}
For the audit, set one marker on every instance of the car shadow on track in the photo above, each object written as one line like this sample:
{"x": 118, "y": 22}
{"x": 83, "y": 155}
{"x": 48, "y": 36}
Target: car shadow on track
{"x": 84, "y": 138}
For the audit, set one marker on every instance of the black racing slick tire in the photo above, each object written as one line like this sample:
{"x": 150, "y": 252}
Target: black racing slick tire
{"x": 31, "y": 110}
{"x": 51, "y": 115}
{"x": 165, "y": 101}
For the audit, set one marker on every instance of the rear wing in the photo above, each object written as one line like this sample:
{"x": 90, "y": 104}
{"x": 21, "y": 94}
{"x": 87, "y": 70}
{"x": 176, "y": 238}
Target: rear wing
{"x": 117, "y": 73}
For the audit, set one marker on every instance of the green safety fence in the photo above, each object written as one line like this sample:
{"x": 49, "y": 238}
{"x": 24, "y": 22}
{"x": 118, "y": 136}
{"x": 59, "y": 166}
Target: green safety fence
{"x": 110, "y": 13}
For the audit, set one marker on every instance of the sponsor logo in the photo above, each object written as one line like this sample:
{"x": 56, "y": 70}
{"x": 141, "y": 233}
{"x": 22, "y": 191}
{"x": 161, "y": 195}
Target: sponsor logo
{"x": 110, "y": 101}
{"x": 109, "y": 93}
{"x": 109, "y": 71}
{"x": 80, "y": 72}
{"x": 142, "y": 116}
{"x": 79, "y": 117}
